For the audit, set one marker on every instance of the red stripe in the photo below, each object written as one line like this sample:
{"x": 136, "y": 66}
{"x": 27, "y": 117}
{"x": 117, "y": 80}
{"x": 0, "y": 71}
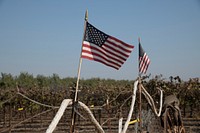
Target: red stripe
{"x": 98, "y": 55}
{"x": 87, "y": 57}
{"x": 125, "y": 44}
{"x": 146, "y": 67}
{"x": 112, "y": 52}
{"x": 117, "y": 51}
{"x": 113, "y": 57}
{"x": 118, "y": 46}
{"x": 144, "y": 63}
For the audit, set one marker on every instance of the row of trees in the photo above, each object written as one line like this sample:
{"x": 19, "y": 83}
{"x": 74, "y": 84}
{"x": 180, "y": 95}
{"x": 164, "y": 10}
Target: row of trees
{"x": 95, "y": 91}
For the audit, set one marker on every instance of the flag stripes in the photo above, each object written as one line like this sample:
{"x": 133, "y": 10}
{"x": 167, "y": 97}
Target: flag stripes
{"x": 144, "y": 63}
{"x": 144, "y": 60}
{"x": 111, "y": 51}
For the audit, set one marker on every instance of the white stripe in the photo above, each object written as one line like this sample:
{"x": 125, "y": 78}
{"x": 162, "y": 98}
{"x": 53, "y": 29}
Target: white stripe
{"x": 144, "y": 63}
{"x": 116, "y": 49}
{"x": 103, "y": 51}
{"x": 99, "y": 58}
{"x": 146, "y": 66}
{"x": 115, "y": 52}
{"x": 120, "y": 44}
{"x": 99, "y": 53}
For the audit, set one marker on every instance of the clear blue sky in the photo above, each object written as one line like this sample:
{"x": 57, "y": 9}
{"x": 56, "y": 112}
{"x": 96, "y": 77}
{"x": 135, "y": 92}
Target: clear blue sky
{"x": 45, "y": 36}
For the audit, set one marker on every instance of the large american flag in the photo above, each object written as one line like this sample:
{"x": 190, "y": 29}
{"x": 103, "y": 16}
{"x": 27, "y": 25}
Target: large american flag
{"x": 144, "y": 60}
{"x": 101, "y": 47}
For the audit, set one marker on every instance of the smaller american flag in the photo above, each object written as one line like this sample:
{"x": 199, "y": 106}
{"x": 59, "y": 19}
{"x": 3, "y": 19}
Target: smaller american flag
{"x": 144, "y": 60}
{"x": 103, "y": 48}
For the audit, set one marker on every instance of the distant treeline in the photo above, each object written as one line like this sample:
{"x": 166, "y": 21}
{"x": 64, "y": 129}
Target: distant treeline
{"x": 52, "y": 90}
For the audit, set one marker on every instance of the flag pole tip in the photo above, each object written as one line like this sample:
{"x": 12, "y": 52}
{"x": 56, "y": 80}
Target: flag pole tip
{"x": 138, "y": 39}
{"x": 86, "y": 15}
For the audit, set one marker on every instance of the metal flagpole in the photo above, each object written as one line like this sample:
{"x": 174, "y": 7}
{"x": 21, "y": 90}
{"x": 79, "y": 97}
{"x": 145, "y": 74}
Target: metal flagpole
{"x": 78, "y": 78}
{"x": 140, "y": 91}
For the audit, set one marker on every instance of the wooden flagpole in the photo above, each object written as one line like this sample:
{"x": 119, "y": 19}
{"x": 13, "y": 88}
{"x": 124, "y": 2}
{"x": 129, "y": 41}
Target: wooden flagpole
{"x": 140, "y": 93}
{"x": 78, "y": 78}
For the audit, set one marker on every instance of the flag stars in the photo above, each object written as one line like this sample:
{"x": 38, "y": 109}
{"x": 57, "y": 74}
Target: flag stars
{"x": 94, "y": 35}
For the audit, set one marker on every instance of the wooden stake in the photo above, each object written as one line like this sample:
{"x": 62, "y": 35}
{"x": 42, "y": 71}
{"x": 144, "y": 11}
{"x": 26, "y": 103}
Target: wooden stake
{"x": 140, "y": 93}
{"x": 78, "y": 78}
{"x": 140, "y": 105}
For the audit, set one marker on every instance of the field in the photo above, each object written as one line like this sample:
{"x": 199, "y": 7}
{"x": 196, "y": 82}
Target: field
{"x": 28, "y": 104}
{"x": 40, "y": 123}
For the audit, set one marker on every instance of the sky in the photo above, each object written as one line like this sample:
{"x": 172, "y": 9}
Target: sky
{"x": 45, "y": 36}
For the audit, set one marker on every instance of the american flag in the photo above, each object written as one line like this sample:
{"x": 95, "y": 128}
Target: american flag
{"x": 101, "y": 47}
{"x": 144, "y": 60}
